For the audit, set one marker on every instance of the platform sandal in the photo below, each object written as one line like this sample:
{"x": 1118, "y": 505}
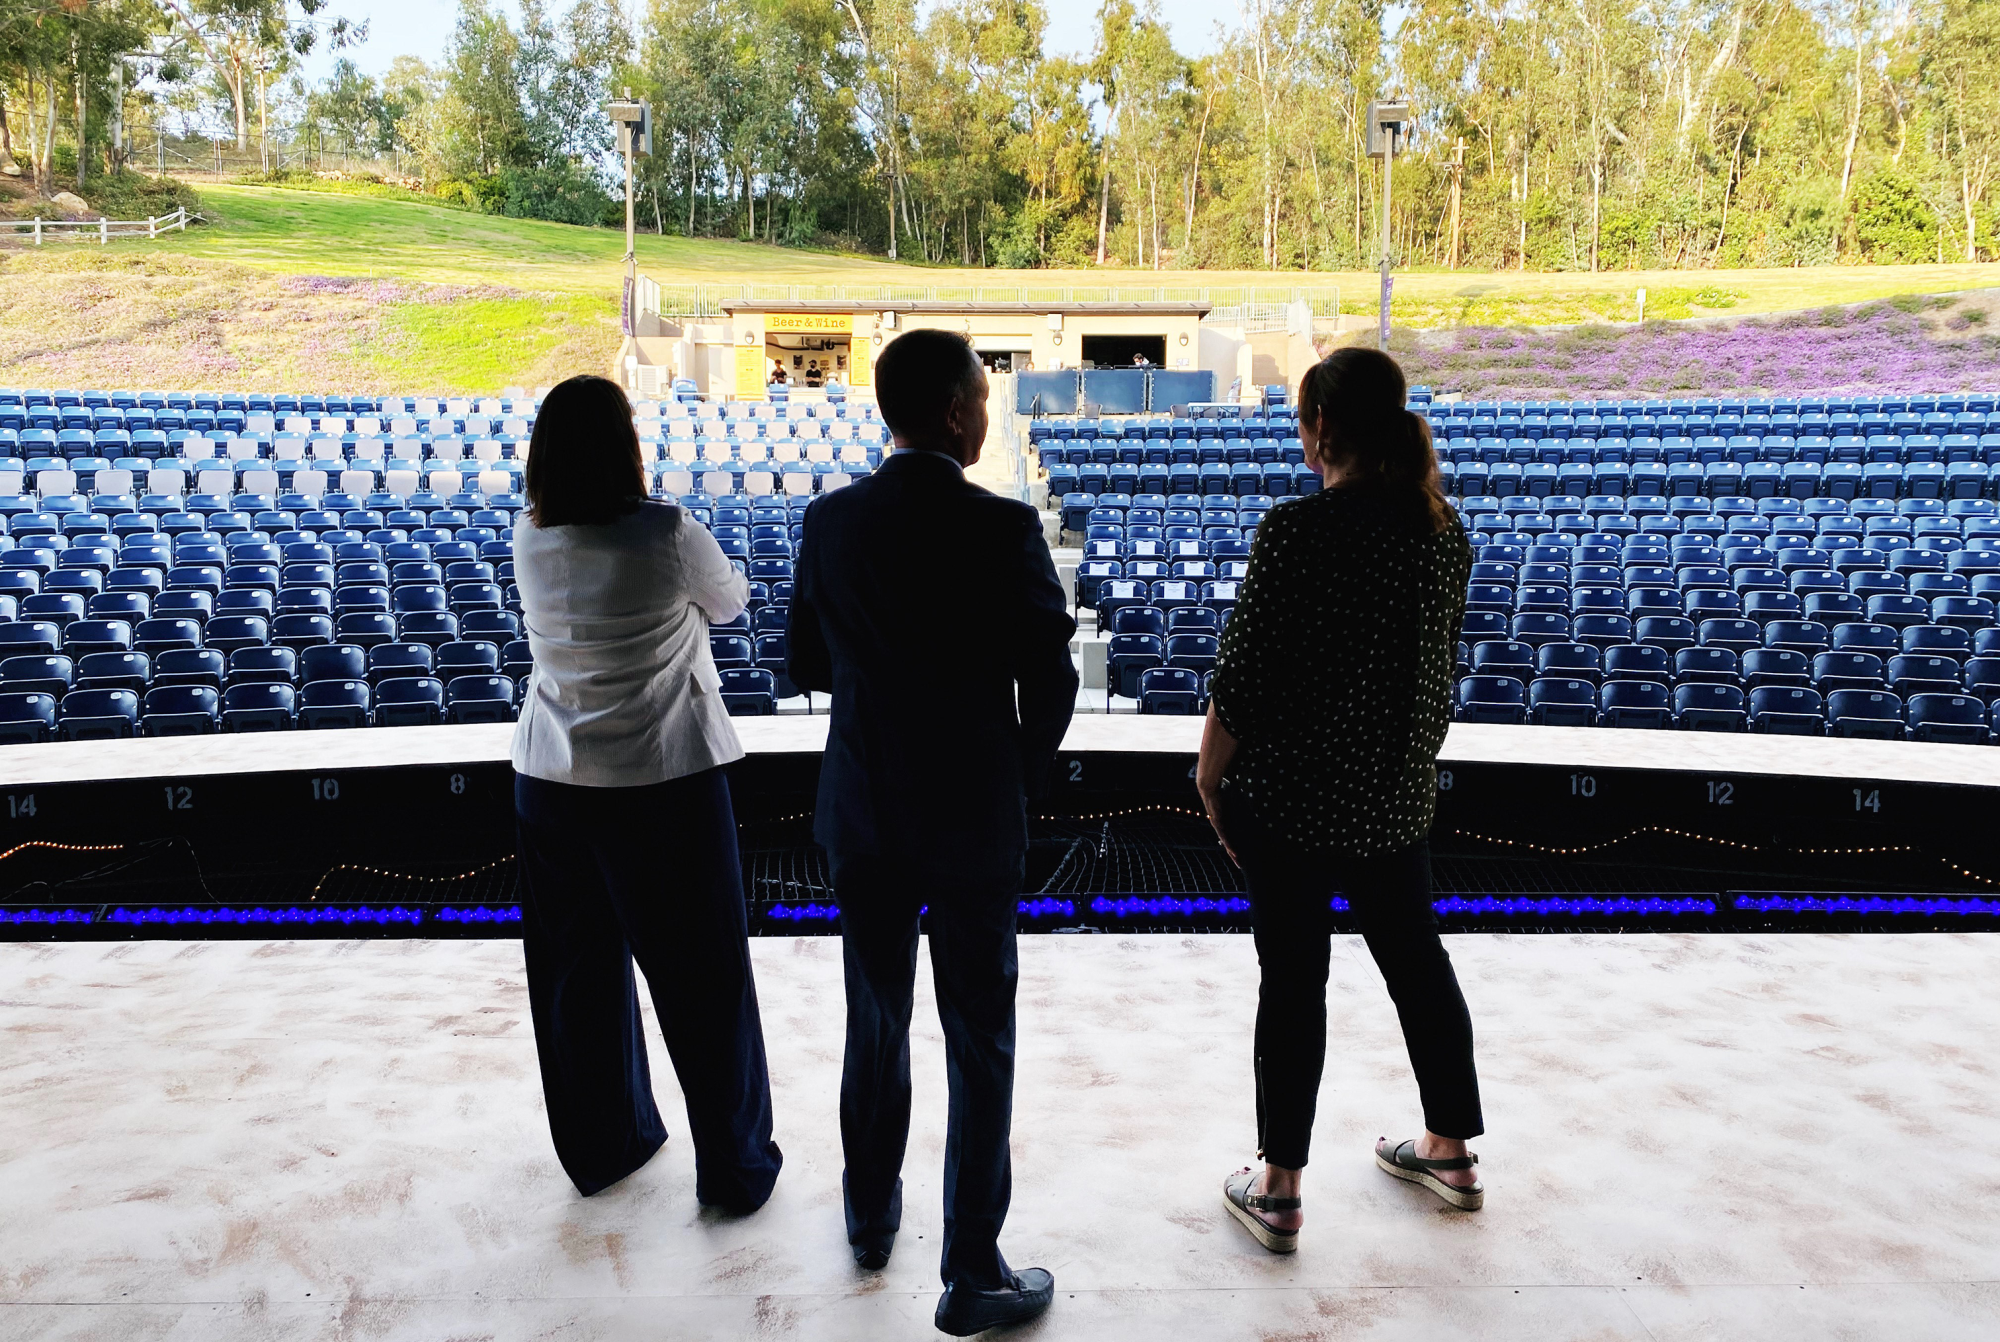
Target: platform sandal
{"x": 1403, "y": 1162}
{"x": 1244, "y": 1206}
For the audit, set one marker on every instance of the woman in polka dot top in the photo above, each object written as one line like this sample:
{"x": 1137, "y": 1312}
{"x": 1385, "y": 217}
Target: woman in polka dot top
{"x": 1318, "y": 769}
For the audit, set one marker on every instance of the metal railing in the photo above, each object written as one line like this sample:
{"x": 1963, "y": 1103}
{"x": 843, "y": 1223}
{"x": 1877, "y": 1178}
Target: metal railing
{"x": 706, "y": 300}
{"x": 105, "y": 229}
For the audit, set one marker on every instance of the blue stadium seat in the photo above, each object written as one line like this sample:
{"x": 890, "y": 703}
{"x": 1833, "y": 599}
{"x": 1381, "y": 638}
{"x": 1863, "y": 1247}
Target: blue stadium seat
{"x": 181, "y": 710}
{"x": 259, "y": 706}
{"x": 1634, "y": 703}
{"x": 749, "y": 691}
{"x": 25, "y": 717}
{"x": 1562, "y": 702}
{"x": 1172, "y": 690}
{"x": 1836, "y": 671}
{"x": 262, "y": 666}
{"x": 409, "y": 701}
{"x": 99, "y": 715}
{"x": 1709, "y": 707}
{"x": 334, "y": 703}
{"x": 1957, "y": 718}
{"x": 1494, "y": 699}
{"x": 113, "y": 671}
{"x": 1787, "y": 710}
{"x": 1875, "y": 714}
{"x": 478, "y": 698}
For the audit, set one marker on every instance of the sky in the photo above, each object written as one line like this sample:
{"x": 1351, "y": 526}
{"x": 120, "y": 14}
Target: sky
{"x": 421, "y": 28}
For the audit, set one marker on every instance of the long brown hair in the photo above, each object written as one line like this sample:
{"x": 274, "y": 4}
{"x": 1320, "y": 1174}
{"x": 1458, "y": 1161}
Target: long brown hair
{"x": 1354, "y": 399}
{"x": 583, "y": 459}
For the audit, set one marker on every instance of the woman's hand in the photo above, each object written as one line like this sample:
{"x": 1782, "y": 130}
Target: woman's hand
{"x": 1218, "y": 748}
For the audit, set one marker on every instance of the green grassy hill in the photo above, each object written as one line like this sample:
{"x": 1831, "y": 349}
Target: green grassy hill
{"x": 289, "y": 289}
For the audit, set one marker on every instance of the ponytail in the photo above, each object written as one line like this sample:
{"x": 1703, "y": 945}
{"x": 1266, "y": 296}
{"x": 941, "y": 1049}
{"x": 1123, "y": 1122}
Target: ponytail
{"x": 1355, "y": 399}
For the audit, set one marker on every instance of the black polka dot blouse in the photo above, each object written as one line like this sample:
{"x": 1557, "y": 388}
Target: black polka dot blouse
{"x": 1336, "y": 670}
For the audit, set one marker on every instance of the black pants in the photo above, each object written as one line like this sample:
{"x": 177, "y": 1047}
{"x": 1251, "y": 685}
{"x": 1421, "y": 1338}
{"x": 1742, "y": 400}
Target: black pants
{"x": 1390, "y": 896}
{"x": 610, "y": 875}
{"x": 974, "y": 968}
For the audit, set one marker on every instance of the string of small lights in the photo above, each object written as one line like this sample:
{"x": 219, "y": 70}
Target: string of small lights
{"x": 1162, "y": 808}
{"x": 62, "y": 847}
{"x": 46, "y": 916}
{"x": 1670, "y": 832}
{"x": 406, "y": 876}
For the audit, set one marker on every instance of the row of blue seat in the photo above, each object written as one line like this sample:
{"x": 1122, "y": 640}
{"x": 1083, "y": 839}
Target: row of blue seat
{"x": 1771, "y": 709}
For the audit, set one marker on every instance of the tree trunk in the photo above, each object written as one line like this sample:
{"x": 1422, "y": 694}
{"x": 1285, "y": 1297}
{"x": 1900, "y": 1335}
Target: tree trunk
{"x": 46, "y": 169}
{"x": 690, "y": 228}
{"x": 117, "y": 155}
{"x": 1965, "y": 195}
{"x": 234, "y": 78}
{"x": 1735, "y": 158}
{"x": 1854, "y": 113}
{"x": 82, "y": 110}
{"x": 1104, "y": 191}
{"x": 1596, "y": 206}
{"x": 1457, "y": 193}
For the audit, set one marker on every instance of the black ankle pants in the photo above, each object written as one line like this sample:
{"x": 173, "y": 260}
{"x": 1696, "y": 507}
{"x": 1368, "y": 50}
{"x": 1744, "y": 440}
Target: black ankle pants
{"x": 1290, "y": 890}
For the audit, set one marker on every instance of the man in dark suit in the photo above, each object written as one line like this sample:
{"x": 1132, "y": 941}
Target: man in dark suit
{"x": 929, "y": 608}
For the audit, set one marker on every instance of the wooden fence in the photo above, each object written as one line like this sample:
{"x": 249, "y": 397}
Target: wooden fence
{"x": 105, "y": 229}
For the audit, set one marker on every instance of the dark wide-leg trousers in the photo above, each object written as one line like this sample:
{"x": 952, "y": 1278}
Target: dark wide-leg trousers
{"x": 614, "y": 875}
{"x": 974, "y": 968}
{"x": 1290, "y": 890}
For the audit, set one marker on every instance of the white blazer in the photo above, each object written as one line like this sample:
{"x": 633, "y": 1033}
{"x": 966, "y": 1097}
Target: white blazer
{"x": 624, "y": 692}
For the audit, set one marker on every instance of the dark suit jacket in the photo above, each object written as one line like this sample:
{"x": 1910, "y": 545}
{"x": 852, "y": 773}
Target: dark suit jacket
{"x": 929, "y": 608}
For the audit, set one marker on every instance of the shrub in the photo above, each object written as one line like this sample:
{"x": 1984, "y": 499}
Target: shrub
{"x": 1804, "y": 224}
{"x": 1893, "y": 223}
{"x": 563, "y": 193}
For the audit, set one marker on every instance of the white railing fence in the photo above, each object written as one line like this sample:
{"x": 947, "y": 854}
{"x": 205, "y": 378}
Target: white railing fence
{"x": 104, "y": 229}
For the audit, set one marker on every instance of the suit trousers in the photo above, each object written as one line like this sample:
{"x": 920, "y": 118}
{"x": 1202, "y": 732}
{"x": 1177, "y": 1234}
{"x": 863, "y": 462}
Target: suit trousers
{"x": 1389, "y": 895}
{"x": 600, "y": 889}
{"x": 974, "y": 967}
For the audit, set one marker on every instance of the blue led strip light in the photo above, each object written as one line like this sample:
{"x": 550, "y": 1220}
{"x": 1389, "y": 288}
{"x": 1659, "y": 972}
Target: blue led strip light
{"x": 1586, "y": 906}
{"x": 826, "y": 913}
{"x": 481, "y": 913}
{"x": 1929, "y": 907}
{"x": 1155, "y": 906}
{"x": 46, "y": 916}
{"x": 247, "y": 917}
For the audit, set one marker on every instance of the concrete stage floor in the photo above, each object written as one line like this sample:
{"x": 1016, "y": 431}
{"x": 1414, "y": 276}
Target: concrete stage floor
{"x": 1755, "y": 1137}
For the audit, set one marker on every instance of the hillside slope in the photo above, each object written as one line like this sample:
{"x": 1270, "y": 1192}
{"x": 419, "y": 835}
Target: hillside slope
{"x": 295, "y": 289}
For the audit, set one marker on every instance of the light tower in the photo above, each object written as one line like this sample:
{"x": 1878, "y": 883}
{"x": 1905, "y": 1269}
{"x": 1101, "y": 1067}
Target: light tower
{"x": 1389, "y": 123}
{"x": 634, "y": 120}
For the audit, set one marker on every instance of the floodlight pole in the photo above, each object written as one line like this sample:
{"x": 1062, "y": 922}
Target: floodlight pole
{"x": 635, "y": 137}
{"x": 1388, "y": 175}
{"x": 1388, "y": 122}
{"x": 631, "y": 240}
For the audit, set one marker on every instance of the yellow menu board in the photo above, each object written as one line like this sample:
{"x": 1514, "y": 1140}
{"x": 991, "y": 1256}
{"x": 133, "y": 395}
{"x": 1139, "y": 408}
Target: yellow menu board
{"x": 860, "y": 362}
{"x": 750, "y": 372}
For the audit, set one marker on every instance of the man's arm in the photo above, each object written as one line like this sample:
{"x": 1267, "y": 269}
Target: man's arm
{"x": 1044, "y": 676}
{"x": 807, "y": 661}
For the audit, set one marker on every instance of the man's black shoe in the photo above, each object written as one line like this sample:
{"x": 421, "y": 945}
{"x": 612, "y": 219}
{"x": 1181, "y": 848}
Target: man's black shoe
{"x": 965, "y": 1310}
{"x": 871, "y": 1252}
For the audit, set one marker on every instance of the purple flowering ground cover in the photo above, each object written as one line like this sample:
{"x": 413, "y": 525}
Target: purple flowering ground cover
{"x": 1919, "y": 343}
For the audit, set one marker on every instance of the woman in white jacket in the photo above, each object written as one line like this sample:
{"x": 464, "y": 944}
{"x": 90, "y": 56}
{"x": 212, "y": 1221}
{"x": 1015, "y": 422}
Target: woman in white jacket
{"x": 626, "y": 837}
